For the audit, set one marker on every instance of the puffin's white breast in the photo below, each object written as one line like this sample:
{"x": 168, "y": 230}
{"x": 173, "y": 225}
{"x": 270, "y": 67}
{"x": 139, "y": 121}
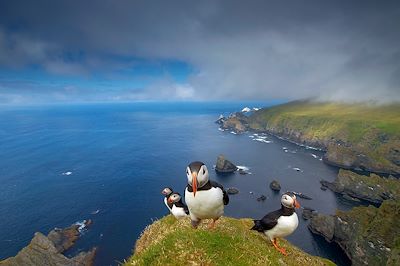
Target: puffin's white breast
{"x": 207, "y": 203}
{"x": 178, "y": 212}
{"x": 166, "y": 204}
{"x": 285, "y": 226}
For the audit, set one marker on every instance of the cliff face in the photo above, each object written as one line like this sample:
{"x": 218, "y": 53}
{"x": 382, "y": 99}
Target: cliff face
{"x": 353, "y": 136}
{"x": 172, "y": 242}
{"x": 369, "y": 235}
{"x": 372, "y": 188}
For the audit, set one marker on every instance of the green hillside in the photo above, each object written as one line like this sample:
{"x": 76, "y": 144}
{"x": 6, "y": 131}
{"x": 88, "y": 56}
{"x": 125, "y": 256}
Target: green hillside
{"x": 354, "y": 135}
{"x": 172, "y": 242}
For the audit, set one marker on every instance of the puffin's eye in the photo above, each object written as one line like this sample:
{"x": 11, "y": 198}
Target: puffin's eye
{"x": 204, "y": 171}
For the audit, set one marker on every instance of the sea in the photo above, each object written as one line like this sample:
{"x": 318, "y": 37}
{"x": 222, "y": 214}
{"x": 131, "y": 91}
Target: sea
{"x": 62, "y": 164}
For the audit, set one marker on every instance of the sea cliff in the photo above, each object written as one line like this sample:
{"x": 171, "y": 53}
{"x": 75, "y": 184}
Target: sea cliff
{"x": 354, "y": 136}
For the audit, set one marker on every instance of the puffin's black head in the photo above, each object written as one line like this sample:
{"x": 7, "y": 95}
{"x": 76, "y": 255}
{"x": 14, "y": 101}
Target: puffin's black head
{"x": 167, "y": 191}
{"x": 289, "y": 200}
{"x": 174, "y": 197}
{"x": 197, "y": 175}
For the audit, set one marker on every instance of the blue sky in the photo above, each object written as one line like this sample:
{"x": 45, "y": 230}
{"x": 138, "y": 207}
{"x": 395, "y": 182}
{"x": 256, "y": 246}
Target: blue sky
{"x": 100, "y": 51}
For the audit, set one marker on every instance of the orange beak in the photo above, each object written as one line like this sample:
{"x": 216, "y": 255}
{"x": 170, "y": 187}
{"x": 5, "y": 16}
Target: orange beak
{"x": 169, "y": 200}
{"x": 194, "y": 184}
{"x": 296, "y": 204}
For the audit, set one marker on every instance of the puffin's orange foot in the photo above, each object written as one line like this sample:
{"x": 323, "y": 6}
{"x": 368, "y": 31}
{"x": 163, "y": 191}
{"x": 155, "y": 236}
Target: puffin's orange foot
{"x": 281, "y": 250}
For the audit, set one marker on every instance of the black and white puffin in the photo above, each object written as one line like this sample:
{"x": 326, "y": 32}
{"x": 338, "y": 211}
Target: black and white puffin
{"x": 204, "y": 198}
{"x": 280, "y": 223}
{"x": 178, "y": 208}
{"x": 167, "y": 192}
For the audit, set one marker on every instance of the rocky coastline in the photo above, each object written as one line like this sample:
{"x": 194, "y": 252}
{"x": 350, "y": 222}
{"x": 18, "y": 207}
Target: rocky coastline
{"x": 363, "y": 154}
{"x": 50, "y": 249}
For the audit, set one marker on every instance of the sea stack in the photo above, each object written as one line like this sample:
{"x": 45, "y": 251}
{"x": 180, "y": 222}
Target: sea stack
{"x": 224, "y": 166}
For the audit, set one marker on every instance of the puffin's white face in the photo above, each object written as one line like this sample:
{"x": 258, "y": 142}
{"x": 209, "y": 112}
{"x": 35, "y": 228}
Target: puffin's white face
{"x": 175, "y": 197}
{"x": 166, "y": 191}
{"x": 197, "y": 175}
{"x": 289, "y": 201}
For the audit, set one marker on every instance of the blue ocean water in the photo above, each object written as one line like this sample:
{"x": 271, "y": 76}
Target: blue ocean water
{"x": 120, "y": 156}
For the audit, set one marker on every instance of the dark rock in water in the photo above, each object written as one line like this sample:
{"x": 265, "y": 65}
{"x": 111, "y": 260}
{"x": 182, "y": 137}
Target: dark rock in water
{"x": 307, "y": 213}
{"x": 323, "y": 188}
{"x": 373, "y": 188}
{"x": 275, "y": 186}
{"x": 261, "y": 198}
{"x": 224, "y": 166}
{"x": 242, "y": 172}
{"x": 232, "y": 190}
{"x": 49, "y": 250}
{"x": 350, "y": 198}
{"x": 301, "y": 195}
{"x": 368, "y": 235}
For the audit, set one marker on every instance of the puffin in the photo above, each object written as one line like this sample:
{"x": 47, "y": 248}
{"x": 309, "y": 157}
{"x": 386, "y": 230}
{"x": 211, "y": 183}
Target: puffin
{"x": 178, "y": 208}
{"x": 280, "y": 223}
{"x": 167, "y": 192}
{"x": 204, "y": 198}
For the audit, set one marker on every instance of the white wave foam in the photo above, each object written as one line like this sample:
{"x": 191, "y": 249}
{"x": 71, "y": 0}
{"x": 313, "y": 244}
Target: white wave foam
{"x": 95, "y": 212}
{"x": 313, "y": 155}
{"x": 233, "y": 132}
{"x": 262, "y": 140}
{"x": 297, "y": 169}
{"x": 82, "y": 226}
{"x": 67, "y": 173}
{"x": 242, "y": 167}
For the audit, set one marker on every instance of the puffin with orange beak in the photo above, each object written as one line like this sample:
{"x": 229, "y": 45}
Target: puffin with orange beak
{"x": 204, "y": 198}
{"x": 178, "y": 209}
{"x": 280, "y": 223}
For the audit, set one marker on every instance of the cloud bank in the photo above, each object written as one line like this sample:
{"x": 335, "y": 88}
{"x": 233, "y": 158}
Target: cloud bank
{"x": 328, "y": 50}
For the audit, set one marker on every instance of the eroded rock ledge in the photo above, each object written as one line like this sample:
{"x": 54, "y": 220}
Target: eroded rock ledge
{"x": 373, "y": 188}
{"x": 48, "y": 250}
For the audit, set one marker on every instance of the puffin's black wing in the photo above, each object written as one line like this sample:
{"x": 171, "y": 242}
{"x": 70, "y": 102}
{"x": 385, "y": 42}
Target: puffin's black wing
{"x": 180, "y": 204}
{"x": 270, "y": 220}
{"x": 225, "y": 195}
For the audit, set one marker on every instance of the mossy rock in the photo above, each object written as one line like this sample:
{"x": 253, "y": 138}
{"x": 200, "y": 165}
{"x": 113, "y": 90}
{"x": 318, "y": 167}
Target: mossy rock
{"x": 174, "y": 242}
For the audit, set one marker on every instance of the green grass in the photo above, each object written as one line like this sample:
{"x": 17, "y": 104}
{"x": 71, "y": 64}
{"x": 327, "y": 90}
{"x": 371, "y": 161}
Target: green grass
{"x": 371, "y": 130}
{"x": 346, "y": 120}
{"x": 172, "y": 242}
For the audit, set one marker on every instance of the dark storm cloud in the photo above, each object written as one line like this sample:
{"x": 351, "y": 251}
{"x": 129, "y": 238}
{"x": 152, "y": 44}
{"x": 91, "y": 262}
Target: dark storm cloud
{"x": 341, "y": 50}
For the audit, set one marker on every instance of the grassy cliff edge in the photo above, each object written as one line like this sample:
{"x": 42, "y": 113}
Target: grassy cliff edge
{"x": 354, "y": 135}
{"x": 173, "y": 242}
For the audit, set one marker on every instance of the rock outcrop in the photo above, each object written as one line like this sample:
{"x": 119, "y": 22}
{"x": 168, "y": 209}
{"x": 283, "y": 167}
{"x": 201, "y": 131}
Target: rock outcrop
{"x": 373, "y": 188}
{"x": 275, "y": 186}
{"x": 49, "y": 250}
{"x": 368, "y": 235}
{"x": 224, "y": 166}
{"x": 237, "y": 122}
{"x": 232, "y": 191}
